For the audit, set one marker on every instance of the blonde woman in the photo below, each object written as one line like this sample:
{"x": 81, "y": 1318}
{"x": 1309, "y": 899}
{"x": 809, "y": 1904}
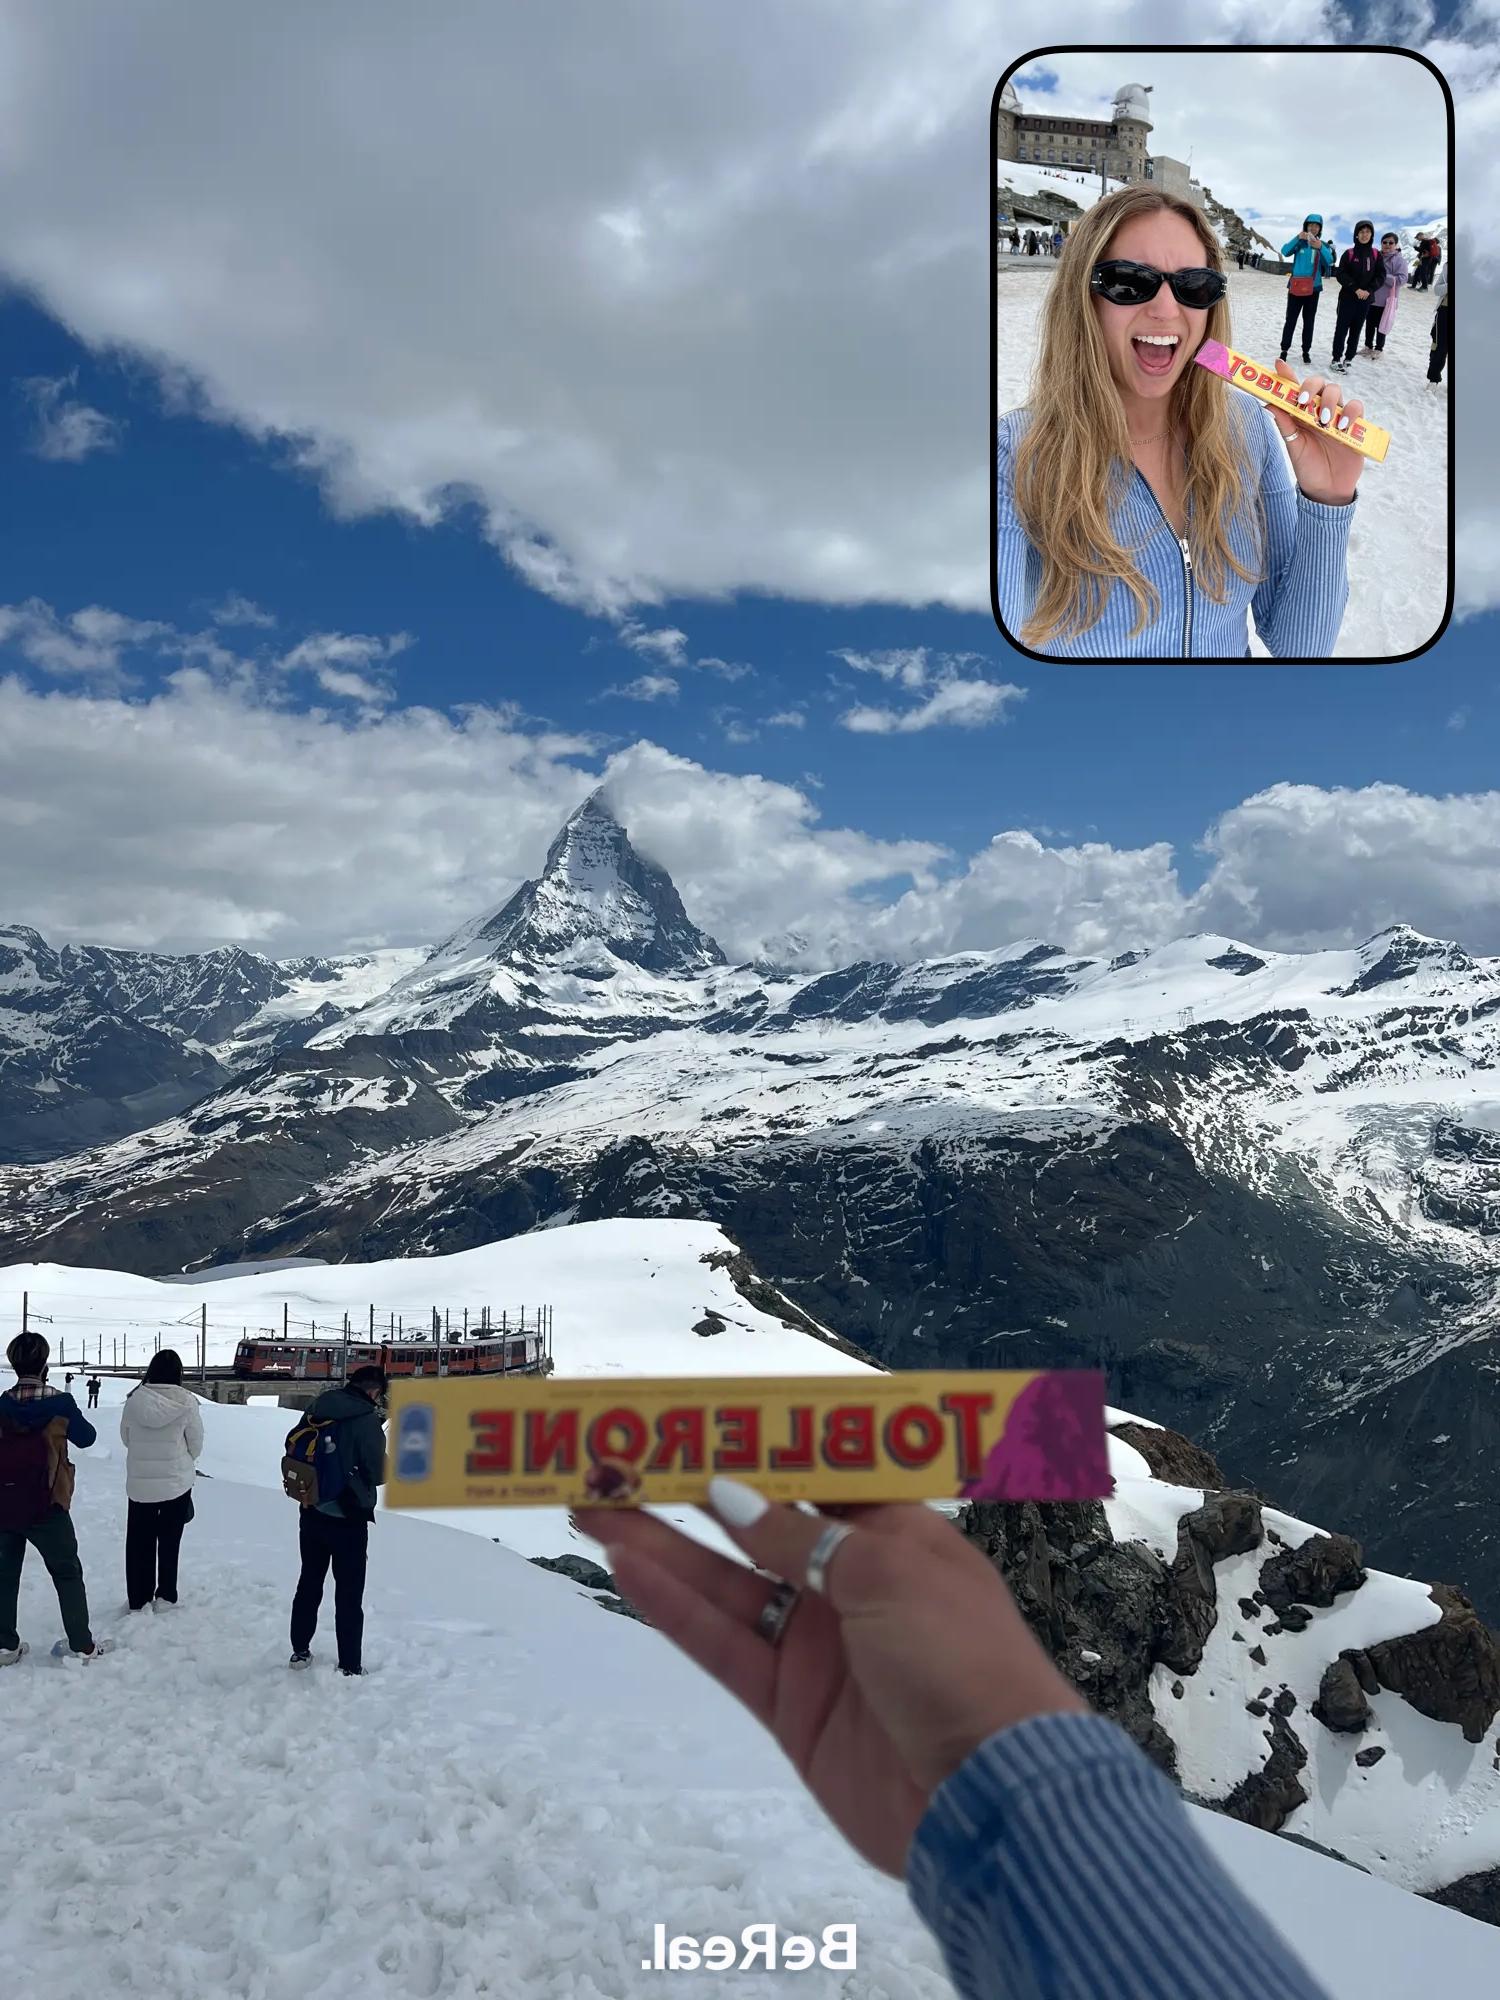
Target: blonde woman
{"x": 1143, "y": 507}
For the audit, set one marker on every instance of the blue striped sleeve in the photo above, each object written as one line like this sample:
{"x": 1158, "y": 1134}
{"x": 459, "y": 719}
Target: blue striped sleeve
{"x": 1057, "y": 1863}
{"x": 1014, "y": 588}
{"x": 1299, "y": 607}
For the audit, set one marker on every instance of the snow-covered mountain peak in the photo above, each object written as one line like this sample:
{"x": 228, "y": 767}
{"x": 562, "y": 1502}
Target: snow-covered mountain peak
{"x": 596, "y": 890}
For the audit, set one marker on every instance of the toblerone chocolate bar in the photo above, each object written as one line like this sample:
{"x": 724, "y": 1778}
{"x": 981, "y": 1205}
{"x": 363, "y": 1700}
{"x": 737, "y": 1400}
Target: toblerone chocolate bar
{"x": 546, "y": 1441}
{"x": 1279, "y": 387}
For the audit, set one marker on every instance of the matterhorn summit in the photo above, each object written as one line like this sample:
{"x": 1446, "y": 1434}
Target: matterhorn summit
{"x": 596, "y": 897}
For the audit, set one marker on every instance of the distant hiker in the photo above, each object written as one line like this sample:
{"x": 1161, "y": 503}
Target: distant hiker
{"x": 1442, "y": 329}
{"x": 93, "y": 1389}
{"x": 161, "y": 1429}
{"x": 1032, "y": 245}
{"x": 1380, "y": 315}
{"x": 1429, "y": 251}
{"x": 1057, "y": 242}
{"x": 1015, "y": 241}
{"x": 37, "y": 1424}
{"x": 1042, "y": 1848}
{"x": 1312, "y": 261}
{"x": 1360, "y": 275}
{"x": 335, "y": 1474}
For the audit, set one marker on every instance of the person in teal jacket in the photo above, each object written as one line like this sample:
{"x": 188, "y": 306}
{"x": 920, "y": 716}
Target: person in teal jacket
{"x": 1311, "y": 259}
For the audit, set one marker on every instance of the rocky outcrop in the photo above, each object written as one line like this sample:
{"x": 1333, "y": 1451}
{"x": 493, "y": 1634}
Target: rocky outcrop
{"x": 1316, "y": 1573}
{"x": 1171, "y": 1456}
{"x": 1265, "y": 1798}
{"x": 1227, "y": 1524}
{"x": 578, "y": 1569}
{"x": 1450, "y": 1670}
{"x": 1341, "y": 1703}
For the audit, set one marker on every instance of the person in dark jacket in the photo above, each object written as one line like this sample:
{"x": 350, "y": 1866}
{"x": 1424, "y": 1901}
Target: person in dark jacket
{"x": 1360, "y": 274}
{"x": 336, "y": 1532}
{"x": 1442, "y": 330}
{"x": 1312, "y": 261}
{"x": 37, "y": 1424}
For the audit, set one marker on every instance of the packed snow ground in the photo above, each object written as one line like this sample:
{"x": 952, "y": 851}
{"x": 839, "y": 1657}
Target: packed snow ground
{"x": 1398, "y": 547}
{"x": 520, "y": 1789}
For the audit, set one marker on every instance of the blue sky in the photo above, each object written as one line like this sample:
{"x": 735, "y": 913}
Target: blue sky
{"x": 719, "y": 373}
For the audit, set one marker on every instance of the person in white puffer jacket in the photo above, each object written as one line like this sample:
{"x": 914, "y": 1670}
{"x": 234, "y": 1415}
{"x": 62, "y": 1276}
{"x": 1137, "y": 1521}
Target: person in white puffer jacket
{"x": 162, "y": 1432}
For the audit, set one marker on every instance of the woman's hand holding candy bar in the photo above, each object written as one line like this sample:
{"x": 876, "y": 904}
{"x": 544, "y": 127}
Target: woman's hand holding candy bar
{"x": 1325, "y": 469}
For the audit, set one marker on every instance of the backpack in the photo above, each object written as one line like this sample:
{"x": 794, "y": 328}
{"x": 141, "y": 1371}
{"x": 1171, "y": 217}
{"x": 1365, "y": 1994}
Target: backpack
{"x": 312, "y": 1469}
{"x": 25, "y": 1476}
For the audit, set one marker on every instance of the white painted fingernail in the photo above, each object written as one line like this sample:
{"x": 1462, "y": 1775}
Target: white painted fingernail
{"x": 1325, "y": 415}
{"x": 1343, "y": 423}
{"x": 1304, "y": 399}
{"x": 737, "y": 1505}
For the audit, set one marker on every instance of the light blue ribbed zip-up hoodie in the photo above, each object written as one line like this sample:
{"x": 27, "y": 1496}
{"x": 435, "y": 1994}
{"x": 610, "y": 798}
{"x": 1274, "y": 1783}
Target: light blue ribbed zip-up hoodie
{"x": 1298, "y": 609}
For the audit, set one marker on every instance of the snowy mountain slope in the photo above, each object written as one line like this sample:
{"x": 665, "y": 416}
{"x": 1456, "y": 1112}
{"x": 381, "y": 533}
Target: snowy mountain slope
{"x": 631, "y": 1297}
{"x": 97, "y": 1042}
{"x": 1262, "y": 1188}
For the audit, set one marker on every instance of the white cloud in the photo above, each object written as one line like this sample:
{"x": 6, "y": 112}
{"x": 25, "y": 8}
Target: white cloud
{"x": 66, "y": 430}
{"x": 665, "y": 643}
{"x": 211, "y": 813}
{"x": 645, "y": 687}
{"x": 786, "y": 718}
{"x": 905, "y": 665}
{"x": 726, "y": 341}
{"x": 956, "y": 704}
{"x": 342, "y": 663}
{"x": 87, "y": 644}
{"x": 727, "y": 670}
{"x": 1459, "y": 719}
{"x": 238, "y": 610}
{"x": 1297, "y": 867}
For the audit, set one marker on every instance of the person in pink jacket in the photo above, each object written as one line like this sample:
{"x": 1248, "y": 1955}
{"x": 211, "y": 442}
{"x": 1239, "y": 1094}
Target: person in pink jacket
{"x": 1381, "y": 315}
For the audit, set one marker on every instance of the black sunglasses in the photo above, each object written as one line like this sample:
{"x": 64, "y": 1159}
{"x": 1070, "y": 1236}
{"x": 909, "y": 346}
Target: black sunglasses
{"x": 1127, "y": 284}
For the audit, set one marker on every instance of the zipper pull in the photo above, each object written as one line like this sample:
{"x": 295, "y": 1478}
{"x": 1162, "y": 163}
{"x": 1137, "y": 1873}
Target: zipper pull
{"x": 1187, "y": 555}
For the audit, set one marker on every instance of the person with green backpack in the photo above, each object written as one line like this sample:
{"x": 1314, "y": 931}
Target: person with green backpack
{"x": 333, "y": 1466}
{"x": 37, "y": 1424}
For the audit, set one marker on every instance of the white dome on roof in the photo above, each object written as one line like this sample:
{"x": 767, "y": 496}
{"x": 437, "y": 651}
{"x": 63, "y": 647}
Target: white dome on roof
{"x": 1008, "y": 98}
{"x": 1132, "y": 100}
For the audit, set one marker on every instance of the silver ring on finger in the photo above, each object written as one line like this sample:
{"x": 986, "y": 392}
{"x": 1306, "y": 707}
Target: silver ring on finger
{"x": 823, "y": 1551}
{"x": 772, "y": 1620}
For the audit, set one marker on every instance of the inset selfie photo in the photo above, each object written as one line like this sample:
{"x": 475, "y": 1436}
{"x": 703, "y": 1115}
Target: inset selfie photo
{"x": 1222, "y": 336}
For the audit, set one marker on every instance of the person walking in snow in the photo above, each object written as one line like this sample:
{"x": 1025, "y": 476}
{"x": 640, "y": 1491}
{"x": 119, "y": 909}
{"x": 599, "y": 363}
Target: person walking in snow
{"x": 1381, "y": 315}
{"x": 1442, "y": 329}
{"x": 336, "y": 1532}
{"x": 37, "y": 1424}
{"x": 1429, "y": 251}
{"x": 1057, "y": 242}
{"x": 93, "y": 1388}
{"x": 885, "y": 1654}
{"x": 1360, "y": 275}
{"x": 161, "y": 1429}
{"x": 1312, "y": 261}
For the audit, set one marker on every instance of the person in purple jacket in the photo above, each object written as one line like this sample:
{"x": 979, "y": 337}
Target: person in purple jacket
{"x": 1381, "y": 314}
{"x": 1044, "y": 1851}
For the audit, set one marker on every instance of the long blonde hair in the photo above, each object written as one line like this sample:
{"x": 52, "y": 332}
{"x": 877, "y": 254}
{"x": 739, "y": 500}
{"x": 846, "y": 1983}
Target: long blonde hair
{"x": 1071, "y": 463}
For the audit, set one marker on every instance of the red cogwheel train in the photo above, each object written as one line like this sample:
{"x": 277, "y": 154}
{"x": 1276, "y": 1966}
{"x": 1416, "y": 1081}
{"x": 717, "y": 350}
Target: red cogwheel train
{"x": 506, "y": 1353}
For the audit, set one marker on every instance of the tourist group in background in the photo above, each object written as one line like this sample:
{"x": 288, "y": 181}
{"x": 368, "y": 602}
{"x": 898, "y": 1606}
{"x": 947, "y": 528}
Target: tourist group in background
{"x": 1035, "y": 243}
{"x": 1370, "y": 282}
{"x": 161, "y": 1429}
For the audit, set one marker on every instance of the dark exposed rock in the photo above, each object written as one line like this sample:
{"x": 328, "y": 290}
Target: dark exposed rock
{"x": 1285, "y": 1702}
{"x": 1226, "y": 1524}
{"x": 1316, "y": 1573}
{"x": 1256, "y": 1707}
{"x": 1249, "y": 1608}
{"x": 1450, "y": 1670}
{"x": 1171, "y": 1456}
{"x": 1369, "y": 1756}
{"x": 1258, "y": 1654}
{"x": 579, "y": 1569}
{"x": 1295, "y": 1618}
{"x": 710, "y": 1324}
{"x": 1084, "y": 1593}
{"x": 1364, "y": 1673}
{"x": 1341, "y": 1703}
{"x": 1266, "y": 1797}
{"x": 1476, "y": 1895}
